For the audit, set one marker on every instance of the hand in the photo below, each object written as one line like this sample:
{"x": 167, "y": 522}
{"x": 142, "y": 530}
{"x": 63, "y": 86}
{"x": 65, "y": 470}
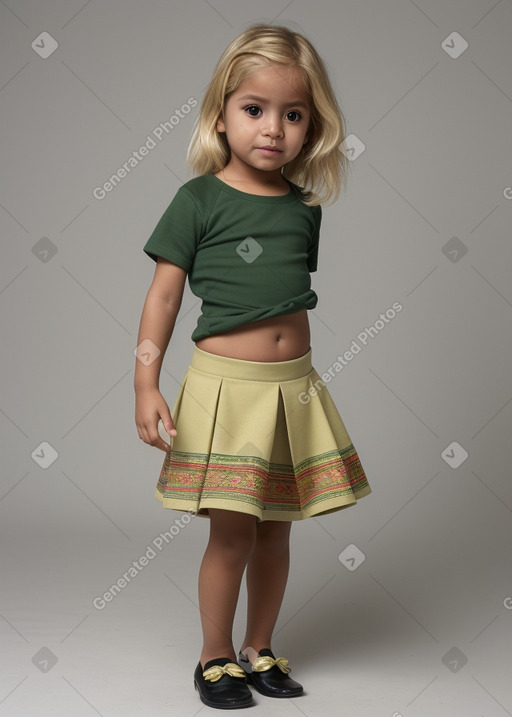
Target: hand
{"x": 150, "y": 407}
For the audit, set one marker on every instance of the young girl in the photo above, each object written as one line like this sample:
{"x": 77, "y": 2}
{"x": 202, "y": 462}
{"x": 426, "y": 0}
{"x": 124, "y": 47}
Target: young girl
{"x": 257, "y": 441}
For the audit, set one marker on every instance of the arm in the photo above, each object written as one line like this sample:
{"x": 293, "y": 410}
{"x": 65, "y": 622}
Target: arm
{"x": 158, "y": 318}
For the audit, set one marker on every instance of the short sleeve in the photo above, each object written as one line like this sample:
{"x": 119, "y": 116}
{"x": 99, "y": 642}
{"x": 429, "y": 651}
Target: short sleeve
{"x": 177, "y": 234}
{"x": 312, "y": 260}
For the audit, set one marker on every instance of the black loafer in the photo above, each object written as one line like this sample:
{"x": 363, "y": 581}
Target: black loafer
{"x": 270, "y": 675}
{"x": 222, "y": 683}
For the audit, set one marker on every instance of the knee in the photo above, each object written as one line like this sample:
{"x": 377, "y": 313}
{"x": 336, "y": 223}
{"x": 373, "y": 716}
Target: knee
{"x": 274, "y": 539}
{"x": 235, "y": 539}
{"x": 235, "y": 548}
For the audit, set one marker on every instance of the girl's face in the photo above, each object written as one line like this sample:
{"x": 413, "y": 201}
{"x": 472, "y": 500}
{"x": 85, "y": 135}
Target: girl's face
{"x": 270, "y": 108}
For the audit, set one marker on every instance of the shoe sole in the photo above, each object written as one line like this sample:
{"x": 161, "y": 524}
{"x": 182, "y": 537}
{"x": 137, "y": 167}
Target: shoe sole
{"x": 250, "y": 681}
{"x": 221, "y": 705}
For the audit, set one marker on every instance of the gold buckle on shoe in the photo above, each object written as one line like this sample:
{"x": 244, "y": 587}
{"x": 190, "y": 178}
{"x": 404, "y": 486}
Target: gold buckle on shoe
{"x": 215, "y": 672}
{"x": 264, "y": 663}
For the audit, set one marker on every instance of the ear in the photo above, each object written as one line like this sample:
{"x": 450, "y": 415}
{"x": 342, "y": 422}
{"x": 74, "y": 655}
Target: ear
{"x": 221, "y": 127}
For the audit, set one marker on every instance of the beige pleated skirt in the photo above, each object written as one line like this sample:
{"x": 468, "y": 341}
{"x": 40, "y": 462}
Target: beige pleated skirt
{"x": 259, "y": 437}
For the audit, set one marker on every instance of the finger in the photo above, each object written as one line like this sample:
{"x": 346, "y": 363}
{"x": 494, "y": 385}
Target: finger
{"x": 169, "y": 425}
{"x": 161, "y": 444}
{"x": 159, "y": 437}
{"x": 143, "y": 434}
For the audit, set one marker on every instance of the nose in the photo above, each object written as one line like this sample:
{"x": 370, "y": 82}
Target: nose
{"x": 273, "y": 126}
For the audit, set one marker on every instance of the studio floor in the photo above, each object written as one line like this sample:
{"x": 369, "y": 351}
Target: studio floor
{"x": 370, "y": 627}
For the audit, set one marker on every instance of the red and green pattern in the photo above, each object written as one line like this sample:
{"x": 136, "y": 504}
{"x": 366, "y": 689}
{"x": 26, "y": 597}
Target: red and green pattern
{"x": 322, "y": 483}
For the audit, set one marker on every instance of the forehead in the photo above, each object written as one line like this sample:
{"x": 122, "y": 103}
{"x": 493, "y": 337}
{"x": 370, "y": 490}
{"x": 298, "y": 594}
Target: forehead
{"x": 276, "y": 82}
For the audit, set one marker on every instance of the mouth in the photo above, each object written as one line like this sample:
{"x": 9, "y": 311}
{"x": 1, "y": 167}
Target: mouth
{"x": 270, "y": 150}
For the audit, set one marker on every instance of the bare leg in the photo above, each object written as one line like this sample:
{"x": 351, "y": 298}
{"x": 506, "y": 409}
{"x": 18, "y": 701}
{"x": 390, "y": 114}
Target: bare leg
{"x": 267, "y": 575}
{"x": 232, "y": 540}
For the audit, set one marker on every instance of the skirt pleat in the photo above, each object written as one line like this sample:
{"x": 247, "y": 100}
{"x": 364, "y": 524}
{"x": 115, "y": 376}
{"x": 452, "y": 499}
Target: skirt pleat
{"x": 263, "y": 438}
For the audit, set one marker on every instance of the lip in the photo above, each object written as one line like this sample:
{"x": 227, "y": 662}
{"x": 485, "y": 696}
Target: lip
{"x": 269, "y": 150}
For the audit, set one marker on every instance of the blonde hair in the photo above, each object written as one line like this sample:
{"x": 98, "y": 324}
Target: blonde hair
{"x": 320, "y": 168}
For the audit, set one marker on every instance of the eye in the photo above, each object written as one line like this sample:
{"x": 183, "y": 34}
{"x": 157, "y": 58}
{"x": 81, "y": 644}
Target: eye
{"x": 252, "y": 107}
{"x": 297, "y": 114}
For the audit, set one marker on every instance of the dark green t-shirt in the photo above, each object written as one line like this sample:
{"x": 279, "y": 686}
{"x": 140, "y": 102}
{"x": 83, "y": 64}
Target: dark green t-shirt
{"x": 248, "y": 257}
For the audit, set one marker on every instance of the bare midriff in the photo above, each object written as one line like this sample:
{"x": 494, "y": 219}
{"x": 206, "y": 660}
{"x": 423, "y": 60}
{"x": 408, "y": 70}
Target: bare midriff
{"x": 279, "y": 338}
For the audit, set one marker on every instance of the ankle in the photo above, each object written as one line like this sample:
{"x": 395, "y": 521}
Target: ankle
{"x": 253, "y": 648}
{"x": 207, "y": 656}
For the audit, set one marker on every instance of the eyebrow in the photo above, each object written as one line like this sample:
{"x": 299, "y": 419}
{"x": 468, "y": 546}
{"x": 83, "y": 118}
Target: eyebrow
{"x": 298, "y": 103}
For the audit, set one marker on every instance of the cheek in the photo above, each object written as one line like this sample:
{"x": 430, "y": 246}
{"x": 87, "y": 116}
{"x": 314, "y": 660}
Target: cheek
{"x": 299, "y": 133}
{"x": 244, "y": 126}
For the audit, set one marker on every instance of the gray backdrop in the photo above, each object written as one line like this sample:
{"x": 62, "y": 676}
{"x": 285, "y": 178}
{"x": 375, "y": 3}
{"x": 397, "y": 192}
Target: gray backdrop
{"x": 399, "y": 606}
